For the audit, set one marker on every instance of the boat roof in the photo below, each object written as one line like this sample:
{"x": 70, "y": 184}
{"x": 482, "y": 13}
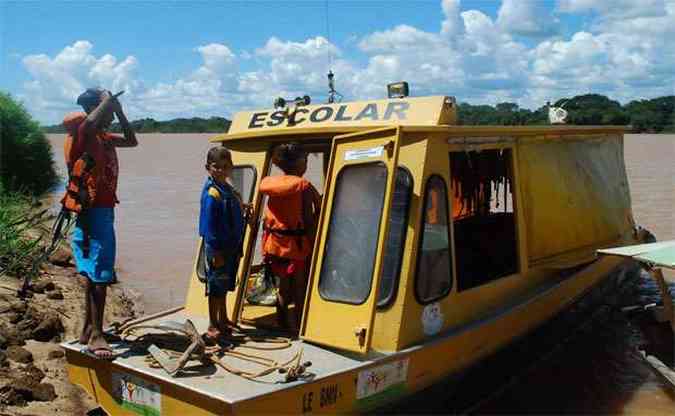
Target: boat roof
{"x": 487, "y": 132}
{"x": 413, "y": 114}
{"x": 661, "y": 254}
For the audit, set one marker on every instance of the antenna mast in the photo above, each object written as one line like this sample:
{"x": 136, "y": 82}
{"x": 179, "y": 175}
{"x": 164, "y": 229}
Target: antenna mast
{"x": 332, "y": 94}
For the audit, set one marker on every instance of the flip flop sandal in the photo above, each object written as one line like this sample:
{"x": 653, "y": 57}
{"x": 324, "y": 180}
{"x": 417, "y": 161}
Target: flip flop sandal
{"x": 92, "y": 353}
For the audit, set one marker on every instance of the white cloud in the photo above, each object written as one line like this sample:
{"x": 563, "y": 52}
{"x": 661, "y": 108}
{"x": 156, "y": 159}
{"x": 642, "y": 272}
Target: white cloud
{"x": 518, "y": 56}
{"x": 58, "y": 81}
{"x": 527, "y": 18}
{"x": 616, "y": 9}
{"x": 452, "y": 25}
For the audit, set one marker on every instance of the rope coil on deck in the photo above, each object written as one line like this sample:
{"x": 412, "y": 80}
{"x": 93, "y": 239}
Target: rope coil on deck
{"x": 173, "y": 340}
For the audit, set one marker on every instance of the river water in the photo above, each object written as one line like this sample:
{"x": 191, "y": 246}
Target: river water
{"x": 159, "y": 186}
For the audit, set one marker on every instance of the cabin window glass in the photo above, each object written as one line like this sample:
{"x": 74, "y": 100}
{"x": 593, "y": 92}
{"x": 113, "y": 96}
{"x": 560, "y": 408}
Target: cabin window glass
{"x": 349, "y": 257}
{"x": 484, "y": 220}
{"x": 434, "y": 267}
{"x": 243, "y": 180}
{"x": 398, "y": 223}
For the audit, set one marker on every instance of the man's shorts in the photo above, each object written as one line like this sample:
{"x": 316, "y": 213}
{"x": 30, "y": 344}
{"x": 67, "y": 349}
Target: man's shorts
{"x": 93, "y": 243}
{"x": 218, "y": 279}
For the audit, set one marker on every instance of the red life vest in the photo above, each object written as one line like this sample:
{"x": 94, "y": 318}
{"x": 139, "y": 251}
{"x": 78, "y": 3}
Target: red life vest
{"x": 81, "y": 188}
{"x": 285, "y": 234}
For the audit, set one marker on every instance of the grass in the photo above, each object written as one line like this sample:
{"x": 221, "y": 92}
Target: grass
{"x": 19, "y": 245}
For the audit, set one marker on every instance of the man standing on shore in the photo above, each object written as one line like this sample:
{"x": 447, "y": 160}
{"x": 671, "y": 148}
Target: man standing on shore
{"x": 93, "y": 240}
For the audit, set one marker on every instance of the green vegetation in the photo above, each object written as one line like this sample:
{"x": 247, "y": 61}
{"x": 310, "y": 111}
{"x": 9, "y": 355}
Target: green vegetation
{"x": 27, "y": 167}
{"x": 26, "y": 161}
{"x": 19, "y": 247}
{"x": 650, "y": 116}
{"x": 179, "y": 125}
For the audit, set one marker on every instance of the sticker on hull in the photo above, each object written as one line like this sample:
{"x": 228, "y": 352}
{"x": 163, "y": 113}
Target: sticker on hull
{"x": 137, "y": 395}
{"x": 432, "y": 319}
{"x": 377, "y": 385}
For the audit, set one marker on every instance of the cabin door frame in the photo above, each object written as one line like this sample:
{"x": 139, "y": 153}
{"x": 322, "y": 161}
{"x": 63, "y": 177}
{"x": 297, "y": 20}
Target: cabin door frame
{"x": 327, "y": 320}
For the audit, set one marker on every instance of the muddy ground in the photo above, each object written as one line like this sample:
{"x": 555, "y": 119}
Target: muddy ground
{"x": 33, "y": 376}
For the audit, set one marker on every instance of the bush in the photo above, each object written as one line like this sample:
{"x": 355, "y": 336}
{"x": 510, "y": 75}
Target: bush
{"x": 26, "y": 161}
{"x": 18, "y": 248}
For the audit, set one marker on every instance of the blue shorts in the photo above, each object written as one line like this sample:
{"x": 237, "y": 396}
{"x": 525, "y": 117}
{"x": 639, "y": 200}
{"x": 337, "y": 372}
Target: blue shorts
{"x": 93, "y": 243}
{"x": 218, "y": 279}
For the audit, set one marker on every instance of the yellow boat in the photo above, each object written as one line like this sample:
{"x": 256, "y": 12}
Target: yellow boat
{"x": 438, "y": 244}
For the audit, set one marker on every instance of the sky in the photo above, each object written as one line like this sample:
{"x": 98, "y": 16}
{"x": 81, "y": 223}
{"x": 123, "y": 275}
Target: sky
{"x": 213, "y": 58}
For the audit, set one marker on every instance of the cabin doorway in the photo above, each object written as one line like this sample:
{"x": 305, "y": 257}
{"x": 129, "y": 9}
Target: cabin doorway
{"x": 484, "y": 220}
{"x": 259, "y": 303}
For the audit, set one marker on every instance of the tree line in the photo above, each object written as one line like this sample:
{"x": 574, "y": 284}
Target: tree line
{"x": 178, "y": 125}
{"x": 655, "y": 115}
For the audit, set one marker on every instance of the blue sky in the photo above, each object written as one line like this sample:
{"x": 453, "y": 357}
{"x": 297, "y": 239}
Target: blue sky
{"x": 181, "y": 59}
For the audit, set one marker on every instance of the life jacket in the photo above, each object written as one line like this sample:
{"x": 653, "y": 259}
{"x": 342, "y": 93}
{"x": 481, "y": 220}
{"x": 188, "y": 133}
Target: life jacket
{"x": 284, "y": 233}
{"x": 81, "y": 187}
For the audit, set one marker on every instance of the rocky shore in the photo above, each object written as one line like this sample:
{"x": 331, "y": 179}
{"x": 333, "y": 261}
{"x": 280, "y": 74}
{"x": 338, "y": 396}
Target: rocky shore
{"x": 33, "y": 375}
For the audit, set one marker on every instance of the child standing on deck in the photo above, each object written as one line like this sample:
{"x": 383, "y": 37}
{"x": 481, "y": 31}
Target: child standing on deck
{"x": 221, "y": 226}
{"x": 289, "y": 228}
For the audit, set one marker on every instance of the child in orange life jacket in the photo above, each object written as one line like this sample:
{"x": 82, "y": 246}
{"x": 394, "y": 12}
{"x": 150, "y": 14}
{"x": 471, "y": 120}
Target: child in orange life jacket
{"x": 221, "y": 223}
{"x": 289, "y": 227}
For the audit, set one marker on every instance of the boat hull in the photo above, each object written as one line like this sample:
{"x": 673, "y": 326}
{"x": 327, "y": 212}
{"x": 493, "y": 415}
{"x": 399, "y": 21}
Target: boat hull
{"x": 361, "y": 384}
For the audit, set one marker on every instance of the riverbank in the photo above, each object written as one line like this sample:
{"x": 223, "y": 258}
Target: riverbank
{"x": 33, "y": 375}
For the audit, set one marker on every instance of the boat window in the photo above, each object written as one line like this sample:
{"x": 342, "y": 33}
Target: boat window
{"x": 351, "y": 246}
{"x": 398, "y": 223}
{"x": 243, "y": 180}
{"x": 434, "y": 268}
{"x": 483, "y": 216}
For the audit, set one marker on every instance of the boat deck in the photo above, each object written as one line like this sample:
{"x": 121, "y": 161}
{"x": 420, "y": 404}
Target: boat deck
{"x": 214, "y": 381}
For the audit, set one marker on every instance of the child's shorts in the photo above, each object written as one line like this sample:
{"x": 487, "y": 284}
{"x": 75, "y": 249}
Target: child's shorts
{"x": 218, "y": 279}
{"x": 93, "y": 244}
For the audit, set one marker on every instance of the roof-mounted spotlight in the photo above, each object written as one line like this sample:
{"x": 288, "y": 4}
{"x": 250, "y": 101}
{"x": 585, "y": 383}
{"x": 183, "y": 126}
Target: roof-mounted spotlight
{"x": 290, "y": 107}
{"x": 398, "y": 89}
{"x": 297, "y": 102}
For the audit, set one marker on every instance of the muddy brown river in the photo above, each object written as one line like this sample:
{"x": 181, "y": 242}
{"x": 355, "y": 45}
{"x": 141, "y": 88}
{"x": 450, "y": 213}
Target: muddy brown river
{"x": 598, "y": 372}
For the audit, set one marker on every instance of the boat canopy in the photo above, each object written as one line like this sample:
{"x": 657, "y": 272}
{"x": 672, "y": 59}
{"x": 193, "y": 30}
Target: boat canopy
{"x": 575, "y": 198}
{"x": 661, "y": 254}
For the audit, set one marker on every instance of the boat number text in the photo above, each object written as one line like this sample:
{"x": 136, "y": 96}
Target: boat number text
{"x": 328, "y": 396}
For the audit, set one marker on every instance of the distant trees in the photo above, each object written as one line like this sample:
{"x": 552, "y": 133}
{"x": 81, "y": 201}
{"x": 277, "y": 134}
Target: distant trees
{"x": 503, "y": 114}
{"x": 178, "y": 125}
{"x": 655, "y": 116}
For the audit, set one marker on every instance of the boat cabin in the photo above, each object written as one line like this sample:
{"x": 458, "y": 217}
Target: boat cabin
{"x": 424, "y": 225}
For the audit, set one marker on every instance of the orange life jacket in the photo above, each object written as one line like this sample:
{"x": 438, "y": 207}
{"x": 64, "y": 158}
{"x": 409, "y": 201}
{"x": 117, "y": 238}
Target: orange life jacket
{"x": 285, "y": 234}
{"x": 81, "y": 188}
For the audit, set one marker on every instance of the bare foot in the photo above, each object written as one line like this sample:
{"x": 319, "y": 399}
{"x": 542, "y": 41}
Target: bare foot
{"x": 99, "y": 347}
{"x": 85, "y": 335}
{"x": 212, "y": 333}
